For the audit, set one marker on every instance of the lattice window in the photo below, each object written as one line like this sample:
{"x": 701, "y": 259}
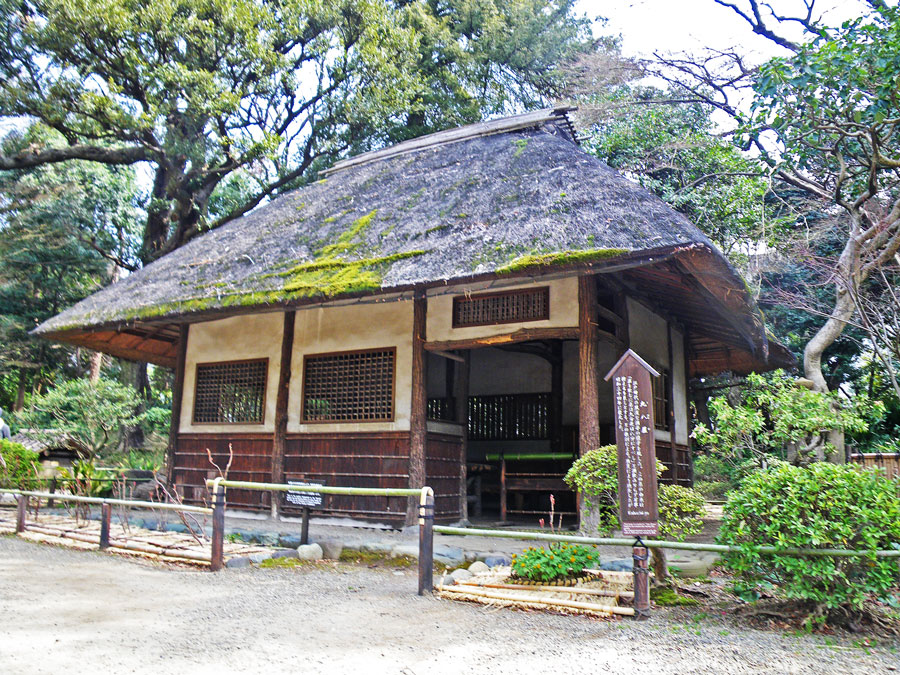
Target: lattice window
{"x": 530, "y": 304}
{"x": 349, "y": 386}
{"x": 233, "y": 392}
{"x": 662, "y": 405}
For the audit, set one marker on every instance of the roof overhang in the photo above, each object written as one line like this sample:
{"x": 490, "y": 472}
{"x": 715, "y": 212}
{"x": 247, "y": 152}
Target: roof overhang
{"x": 692, "y": 286}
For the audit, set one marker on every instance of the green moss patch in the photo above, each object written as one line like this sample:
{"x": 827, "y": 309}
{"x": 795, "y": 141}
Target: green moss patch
{"x": 281, "y": 563}
{"x": 377, "y": 559}
{"x": 560, "y": 258}
{"x": 666, "y": 597}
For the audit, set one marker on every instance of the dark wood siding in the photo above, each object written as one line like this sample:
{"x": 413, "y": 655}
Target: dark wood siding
{"x": 442, "y": 467}
{"x": 353, "y": 460}
{"x": 678, "y": 464}
{"x": 252, "y": 461}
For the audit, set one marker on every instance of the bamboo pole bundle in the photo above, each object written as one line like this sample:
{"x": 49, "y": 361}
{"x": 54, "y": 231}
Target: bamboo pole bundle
{"x": 523, "y": 599}
{"x": 580, "y": 590}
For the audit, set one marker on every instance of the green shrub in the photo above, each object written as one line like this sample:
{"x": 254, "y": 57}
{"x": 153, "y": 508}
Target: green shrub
{"x": 18, "y": 467}
{"x": 557, "y": 561}
{"x": 85, "y": 479}
{"x": 820, "y": 506}
{"x": 712, "y": 489}
{"x": 596, "y": 474}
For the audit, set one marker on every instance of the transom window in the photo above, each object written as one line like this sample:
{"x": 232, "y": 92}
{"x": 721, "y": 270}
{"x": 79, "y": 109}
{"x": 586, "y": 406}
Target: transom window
{"x": 353, "y": 386}
{"x": 232, "y": 392}
{"x": 529, "y": 304}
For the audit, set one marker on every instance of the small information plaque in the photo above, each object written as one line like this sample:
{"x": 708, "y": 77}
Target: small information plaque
{"x": 633, "y": 396}
{"x": 305, "y": 499}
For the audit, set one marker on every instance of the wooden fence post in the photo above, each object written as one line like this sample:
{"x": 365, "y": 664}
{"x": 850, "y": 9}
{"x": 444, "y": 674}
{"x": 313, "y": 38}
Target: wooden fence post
{"x": 217, "y": 555}
{"x": 105, "y": 517}
{"x": 426, "y": 545}
{"x": 641, "y": 581}
{"x": 21, "y": 506}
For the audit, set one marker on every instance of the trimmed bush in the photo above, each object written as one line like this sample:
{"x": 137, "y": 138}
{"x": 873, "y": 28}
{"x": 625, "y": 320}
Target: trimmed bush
{"x": 19, "y": 466}
{"x": 820, "y": 506}
{"x": 596, "y": 474}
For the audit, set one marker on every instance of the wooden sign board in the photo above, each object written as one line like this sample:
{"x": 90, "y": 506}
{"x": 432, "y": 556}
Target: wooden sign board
{"x": 633, "y": 397}
{"x": 305, "y": 499}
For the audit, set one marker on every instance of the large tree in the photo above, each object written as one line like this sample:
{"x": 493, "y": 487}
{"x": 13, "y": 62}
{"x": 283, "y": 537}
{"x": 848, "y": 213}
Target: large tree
{"x": 60, "y": 227}
{"x": 206, "y": 90}
{"x": 824, "y": 119}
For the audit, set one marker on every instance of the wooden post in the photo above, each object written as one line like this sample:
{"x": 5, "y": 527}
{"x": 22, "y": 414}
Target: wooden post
{"x": 641, "y": 581}
{"x": 53, "y": 486}
{"x": 461, "y": 398}
{"x": 21, "y": 508}
{"x": 105, "y": 517}
{"x": 304, "y": 527}
{"x": 281, "y": 409}
{"x": 217, "y": 554}
{"x": 588, "y": 385}
{"x": 502, "y": 488}
{"x": 177, "y": 398}
{"x": 419, "y": 403}
{"x": 426, "y": 545}
{"x": 670, "y": 395}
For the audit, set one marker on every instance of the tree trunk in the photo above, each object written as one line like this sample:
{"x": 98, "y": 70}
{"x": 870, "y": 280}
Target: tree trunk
{"x": 134, "y": 436}
{"x": 20, "y": 392}
{"x": 94, "y": 367}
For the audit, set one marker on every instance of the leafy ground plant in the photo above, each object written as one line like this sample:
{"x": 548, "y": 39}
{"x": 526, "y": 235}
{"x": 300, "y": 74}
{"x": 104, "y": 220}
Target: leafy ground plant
{"x": 555, "y": 562}
{"x": 820, "y": 506}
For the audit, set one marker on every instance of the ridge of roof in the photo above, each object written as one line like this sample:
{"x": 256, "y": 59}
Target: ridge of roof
{"x": 486, "y": 128}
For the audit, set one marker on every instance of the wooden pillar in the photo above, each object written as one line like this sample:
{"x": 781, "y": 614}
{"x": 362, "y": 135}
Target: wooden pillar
{"x": 588, "y": 385}
{"x": 670, "y": 394}
{"x": 281, "y": 408}
{"x": 418, "y": 407}
{"x": 177, "y": 399}
{"x": 461, "y": 400}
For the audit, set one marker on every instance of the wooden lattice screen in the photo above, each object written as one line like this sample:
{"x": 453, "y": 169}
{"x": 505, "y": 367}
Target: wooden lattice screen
{"x": 661, "y": 403}
{"x": 349, "y": 386}
{"x": 233, "y": 392}
{"x": 530, "y": 304}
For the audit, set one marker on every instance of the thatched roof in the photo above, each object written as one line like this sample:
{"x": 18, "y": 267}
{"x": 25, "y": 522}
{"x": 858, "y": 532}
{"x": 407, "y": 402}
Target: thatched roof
{"x": 501, "y": 198}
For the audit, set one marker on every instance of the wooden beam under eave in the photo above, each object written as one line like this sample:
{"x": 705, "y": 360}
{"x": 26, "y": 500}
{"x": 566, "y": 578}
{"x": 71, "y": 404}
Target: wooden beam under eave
{"x": 418, "y": 404}
{"x": 521, "y": 335}
{"x": 588, "y": 364}
{"x": 281, "y": 408}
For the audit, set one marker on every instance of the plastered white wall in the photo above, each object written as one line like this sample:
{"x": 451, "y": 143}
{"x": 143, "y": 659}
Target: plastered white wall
{"x": 250, "y": 336}
{"x": 563, "y": 309}
{"x": 321, "y": 330}
{"x": 648, "y": 334}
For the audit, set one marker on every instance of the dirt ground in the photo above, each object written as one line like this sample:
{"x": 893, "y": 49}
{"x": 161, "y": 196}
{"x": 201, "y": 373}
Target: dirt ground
{"x": 64, "y": 611}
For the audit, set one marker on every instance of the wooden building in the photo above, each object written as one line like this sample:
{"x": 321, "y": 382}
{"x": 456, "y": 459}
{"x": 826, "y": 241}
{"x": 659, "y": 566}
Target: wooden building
{"x": 441, "y": 311}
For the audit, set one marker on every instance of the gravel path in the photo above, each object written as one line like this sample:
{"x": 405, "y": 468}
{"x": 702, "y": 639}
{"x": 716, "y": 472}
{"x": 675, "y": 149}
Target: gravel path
{"x": 76, "y": 612}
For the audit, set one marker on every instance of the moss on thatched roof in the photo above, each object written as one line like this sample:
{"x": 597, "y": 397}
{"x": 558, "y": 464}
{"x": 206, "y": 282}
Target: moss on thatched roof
{"x": 511, "y": 198}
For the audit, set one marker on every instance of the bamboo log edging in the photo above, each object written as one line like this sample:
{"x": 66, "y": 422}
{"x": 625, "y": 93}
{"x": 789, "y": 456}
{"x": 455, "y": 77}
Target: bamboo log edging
{"x": 322, "y": 489}
{"x": 165, "y": 506}
{"x": 550, "y": 602}
{"x": 656, "y": 543}
{"x": 627, "y": 595}
{"x": 123, "y": 545}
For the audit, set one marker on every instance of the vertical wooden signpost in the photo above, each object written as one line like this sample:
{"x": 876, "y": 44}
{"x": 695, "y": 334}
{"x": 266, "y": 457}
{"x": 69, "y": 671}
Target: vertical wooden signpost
{"x": 638, "y": 506}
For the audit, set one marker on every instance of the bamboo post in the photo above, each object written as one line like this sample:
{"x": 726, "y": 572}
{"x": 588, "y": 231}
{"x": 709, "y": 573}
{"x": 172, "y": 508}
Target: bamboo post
{"x": 21, "y": 506}
{"x": 426, "y": 542}
{"x": 217, "y": 556}
{"x": 105, "y": 516}
{"x": 641, "y": 581}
